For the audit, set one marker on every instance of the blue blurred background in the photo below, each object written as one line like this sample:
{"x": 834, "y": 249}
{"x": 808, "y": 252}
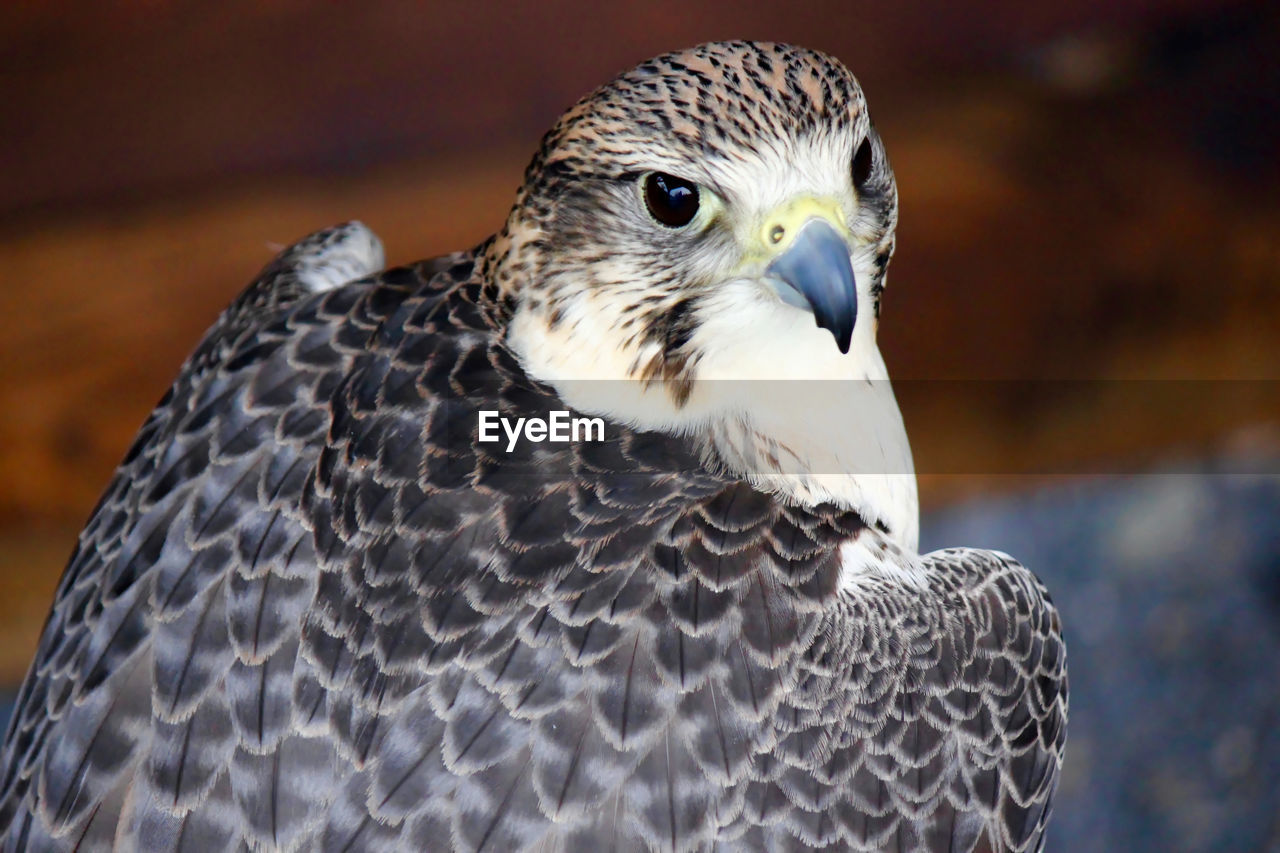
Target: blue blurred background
{"x": 1083, "y": 313}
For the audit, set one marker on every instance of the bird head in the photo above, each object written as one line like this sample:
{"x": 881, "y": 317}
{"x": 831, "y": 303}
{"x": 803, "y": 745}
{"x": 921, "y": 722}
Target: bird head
{"x": 697, "y": 235}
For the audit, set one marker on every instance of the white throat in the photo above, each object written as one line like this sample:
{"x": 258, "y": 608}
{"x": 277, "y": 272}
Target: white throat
{"x": 782, "y": 406}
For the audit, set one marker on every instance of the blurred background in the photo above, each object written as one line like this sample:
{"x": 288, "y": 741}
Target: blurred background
{"x": 1083, "y": 317}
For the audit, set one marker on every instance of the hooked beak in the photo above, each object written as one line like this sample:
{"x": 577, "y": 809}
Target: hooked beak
{"x": 815, "y": 274}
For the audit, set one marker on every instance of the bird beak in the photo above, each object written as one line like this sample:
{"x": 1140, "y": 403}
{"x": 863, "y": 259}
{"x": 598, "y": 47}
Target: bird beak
{"x": 815, "y": 274}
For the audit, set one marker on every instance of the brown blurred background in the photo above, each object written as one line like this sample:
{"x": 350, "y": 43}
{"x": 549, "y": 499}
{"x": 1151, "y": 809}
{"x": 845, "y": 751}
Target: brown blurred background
{"x": 1089, "y": 191}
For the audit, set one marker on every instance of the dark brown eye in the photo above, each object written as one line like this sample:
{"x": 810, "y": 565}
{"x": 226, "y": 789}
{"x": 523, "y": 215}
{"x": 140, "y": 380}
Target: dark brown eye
{"x": 862, "y": 160}
{"x": 672, "y": 201}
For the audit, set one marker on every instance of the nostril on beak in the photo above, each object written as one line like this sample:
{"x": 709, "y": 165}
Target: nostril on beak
{"x": 815, "y": 273}
{"x": 776, "y": 233}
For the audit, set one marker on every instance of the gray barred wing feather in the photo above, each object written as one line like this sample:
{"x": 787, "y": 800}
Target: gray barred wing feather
{"x": 185, "y": 582}
{"x": 929, "y": 715}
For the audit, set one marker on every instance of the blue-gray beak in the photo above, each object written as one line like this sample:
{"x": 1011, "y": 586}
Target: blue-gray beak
{"x": 815, "y": 274}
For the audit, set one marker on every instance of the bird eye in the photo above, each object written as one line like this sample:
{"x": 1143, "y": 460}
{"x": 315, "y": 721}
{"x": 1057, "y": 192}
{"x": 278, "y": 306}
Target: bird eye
{"x": 862, "y": 160}
{"x": 672, "y": 201}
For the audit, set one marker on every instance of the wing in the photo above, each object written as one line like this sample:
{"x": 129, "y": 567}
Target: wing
{"x": 933, "y": 713}
{"x": 165, "y": 601}
{"x": 311, "y": 612}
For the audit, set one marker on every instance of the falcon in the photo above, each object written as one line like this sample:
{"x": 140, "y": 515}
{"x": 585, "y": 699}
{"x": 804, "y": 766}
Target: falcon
{"x": 318, "y": 609}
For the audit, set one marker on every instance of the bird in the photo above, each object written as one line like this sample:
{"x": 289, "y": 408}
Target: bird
{"x": 321, "y": 607}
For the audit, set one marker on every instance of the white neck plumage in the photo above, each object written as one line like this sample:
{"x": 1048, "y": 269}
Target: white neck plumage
{"x": 772, "y": 395}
